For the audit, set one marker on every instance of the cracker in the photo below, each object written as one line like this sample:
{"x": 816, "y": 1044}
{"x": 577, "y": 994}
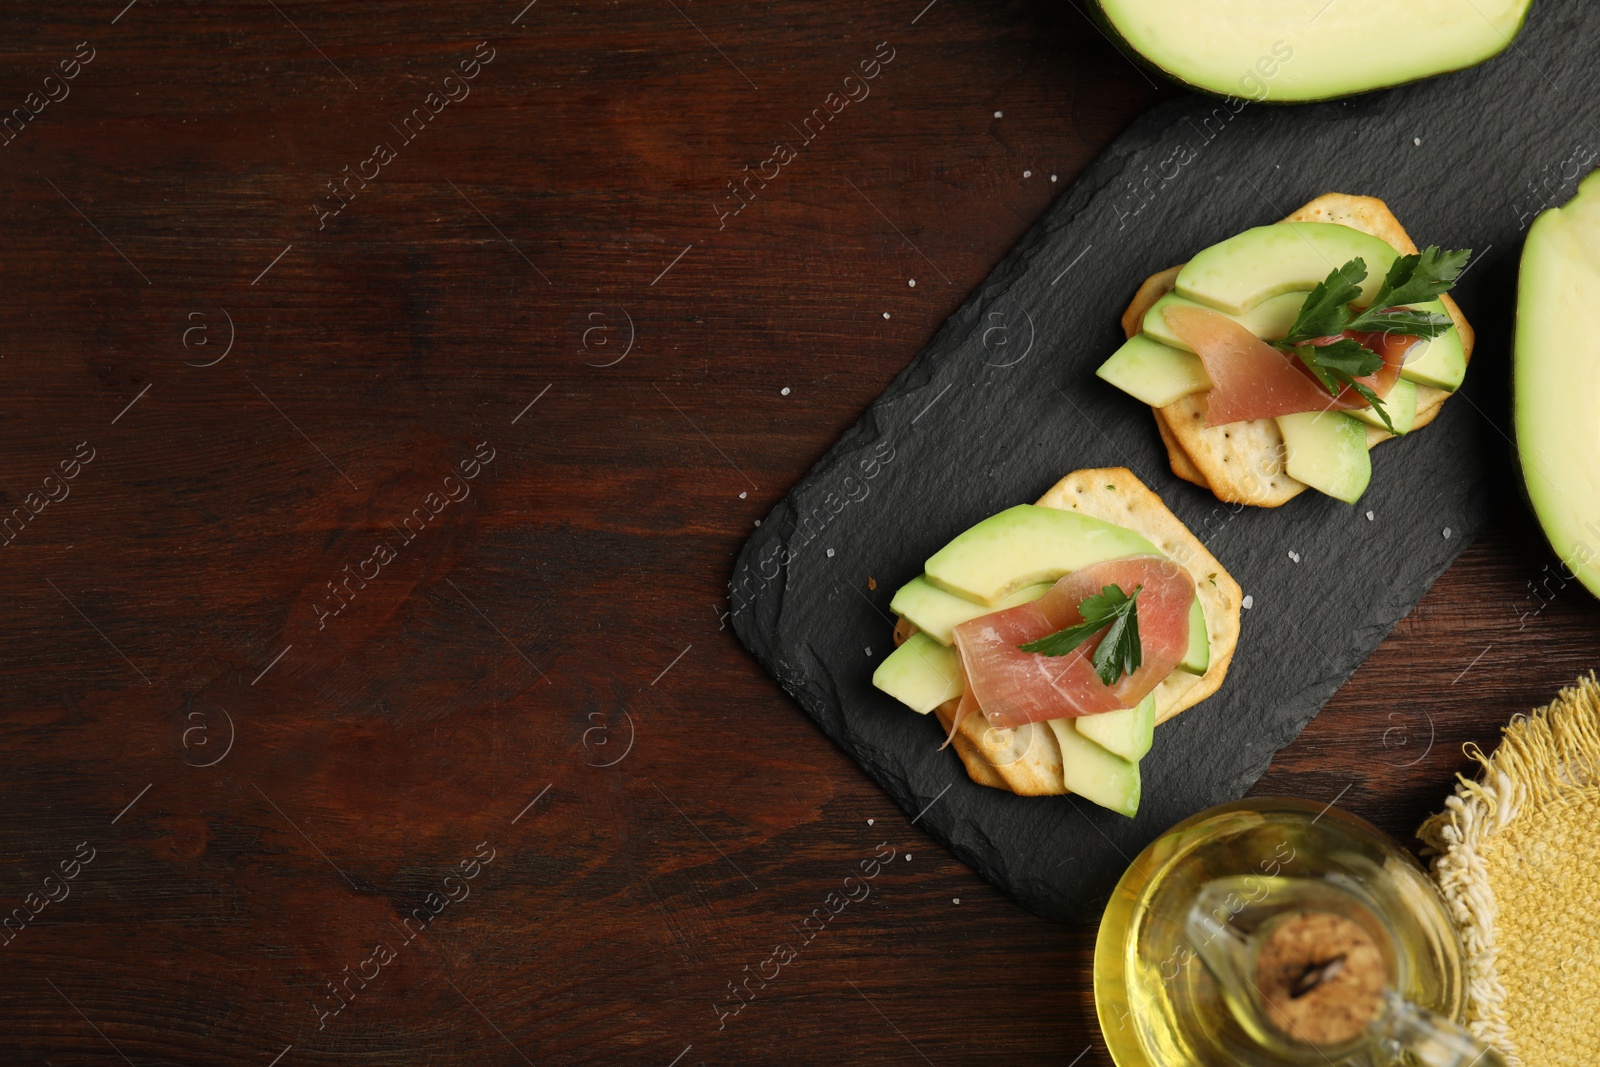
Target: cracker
{"x": 1025, "y": 760}
{"x": 1151, "y": 289}
{"x": 1243, "y": 463}
{"x": 1177, "y": 458}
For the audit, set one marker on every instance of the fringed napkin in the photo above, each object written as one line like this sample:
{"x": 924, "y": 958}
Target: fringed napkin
{"x": 1517, "y": 856}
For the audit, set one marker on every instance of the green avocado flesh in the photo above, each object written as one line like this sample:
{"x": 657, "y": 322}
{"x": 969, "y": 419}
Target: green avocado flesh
{"x": 1556, "y": 380}
{"x": 1401, "y": 405}
{"x": 1328, "y": 451}
{"x": 1094, "y": 773}
{"x": 937, "y": 612}
{"x": 1289, "y": 51}
{"x": 1151, "y": 372}
{"x": 921, "y": 674}
{"x": 1128, "y": 733}
{"x": 1026, "y": 545}
{"x": 1269, "y": 320}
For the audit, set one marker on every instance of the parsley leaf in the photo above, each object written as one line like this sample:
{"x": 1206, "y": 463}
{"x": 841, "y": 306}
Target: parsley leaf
{"x": 1403, "y": 321}
{"x": 1416, "y": 278}
{"x": 1412, "y": 279}
{"x": 1112, "y": 610}
{"x": 1326, "y": 311}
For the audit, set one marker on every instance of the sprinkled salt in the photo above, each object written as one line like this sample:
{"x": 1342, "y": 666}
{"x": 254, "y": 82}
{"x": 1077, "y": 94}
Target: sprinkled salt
{"x": 1027, "y": 174}
{"x": 1294, "y": 555}
{"x": 911, "y": 282}
{"x": 1248, "y": 602}
{"x": 1370, "y": 516}
{"x": 830, "y": 553}
{"x": 784, "y": 391}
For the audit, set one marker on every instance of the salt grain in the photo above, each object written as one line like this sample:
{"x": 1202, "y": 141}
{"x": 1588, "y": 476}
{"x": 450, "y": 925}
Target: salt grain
{"x": 830, "y": 553}
{"x": 1447, "y": 533}
{"x": 784, "y": 391}
{"x": 1248, "y": 603}
{"x": 1370, "y": 516}
{"x": 1294, "y": 555}
{"x": 911, "y": 282}
{"x": 1027, "y": 174}
{"x": 999, "y": 114}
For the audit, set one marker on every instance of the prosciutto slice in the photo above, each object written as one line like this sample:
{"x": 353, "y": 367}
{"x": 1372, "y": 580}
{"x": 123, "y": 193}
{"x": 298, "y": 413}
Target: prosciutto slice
{"x": 1252, "y": 380}
{"x": 1013, "y": 687}
{"x": 1249, "y": 378}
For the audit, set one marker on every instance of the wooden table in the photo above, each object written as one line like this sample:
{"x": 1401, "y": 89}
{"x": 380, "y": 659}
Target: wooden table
{"x": 385, "y": 410}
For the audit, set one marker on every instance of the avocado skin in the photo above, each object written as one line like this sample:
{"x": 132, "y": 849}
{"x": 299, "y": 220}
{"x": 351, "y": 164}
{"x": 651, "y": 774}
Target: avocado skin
{"x": 1097, "y": 15}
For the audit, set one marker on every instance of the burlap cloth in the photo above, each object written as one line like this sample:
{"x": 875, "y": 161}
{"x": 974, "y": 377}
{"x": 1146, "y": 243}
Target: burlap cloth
{"x": 1517, "y": 856}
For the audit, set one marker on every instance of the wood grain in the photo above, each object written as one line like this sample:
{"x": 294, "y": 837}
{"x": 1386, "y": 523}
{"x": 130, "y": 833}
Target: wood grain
{"x": 278, "y": 757}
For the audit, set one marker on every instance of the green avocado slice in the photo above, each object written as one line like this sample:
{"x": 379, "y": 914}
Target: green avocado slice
{"x": 1095, "y": 773}
{"x": 1026, "y": 545}
{"x": 1289, "y": 51}
{"x": 921, "y": 674}
{"x": 1128, "y": 733}
{"x": 1328, "y": 451}
{"x": 1556, "y": 380}
{"x": 1153, "y": 373}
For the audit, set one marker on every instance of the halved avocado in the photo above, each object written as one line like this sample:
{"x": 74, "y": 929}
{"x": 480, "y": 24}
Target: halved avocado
{"x": 1288, "y": 51}
{"x": 1556, "y": 379}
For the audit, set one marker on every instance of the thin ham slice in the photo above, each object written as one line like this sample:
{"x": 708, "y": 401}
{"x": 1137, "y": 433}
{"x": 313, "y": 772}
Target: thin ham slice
{"x": 1252, "y": 380}
{"x": 1249, "y": 378}
{"x": 1013, "y": 687}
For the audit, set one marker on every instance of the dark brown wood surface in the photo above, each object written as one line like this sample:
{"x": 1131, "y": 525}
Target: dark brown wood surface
{"x": 245, "y": 746}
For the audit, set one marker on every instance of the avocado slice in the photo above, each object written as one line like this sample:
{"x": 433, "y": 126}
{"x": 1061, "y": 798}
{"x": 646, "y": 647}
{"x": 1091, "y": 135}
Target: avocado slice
{"x": 1269, "y": 320}
{"x": 1197, "y": 658}
{"x": 1401, "y": 404}
{"x": 1153, "y": 373}
{"x": 1258, "y": 265}
{"x": 921, "y": 674}
{"x": 1095, "y": 773}
{"x": 1328, "y": 451}
{"x": 936, "y": 612}
{"x": 1128, "y": 733}
{"x": 1278, "y": 51}
{"x": 1556, "y": 378}
{"x": 1026, "y": 545}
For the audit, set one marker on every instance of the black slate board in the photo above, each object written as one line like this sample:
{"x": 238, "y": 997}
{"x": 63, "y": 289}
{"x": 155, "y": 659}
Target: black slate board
{"x": 1003, "y": 402}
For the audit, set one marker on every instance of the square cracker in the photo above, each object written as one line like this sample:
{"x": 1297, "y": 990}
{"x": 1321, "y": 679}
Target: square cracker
{"x": 1243, "y": 463}
{"x": 1027, "y": 759}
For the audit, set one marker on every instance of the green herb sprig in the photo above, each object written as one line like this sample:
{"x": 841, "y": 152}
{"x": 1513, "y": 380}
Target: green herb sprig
{"x": 1327, "y": 312}
{"x": 1120, "y": 652}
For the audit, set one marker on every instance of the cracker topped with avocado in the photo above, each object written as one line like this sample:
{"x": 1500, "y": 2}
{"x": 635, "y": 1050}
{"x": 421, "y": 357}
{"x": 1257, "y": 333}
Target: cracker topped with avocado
{"x": 1050, "y": 640}
{"x": 1277, "y": 359}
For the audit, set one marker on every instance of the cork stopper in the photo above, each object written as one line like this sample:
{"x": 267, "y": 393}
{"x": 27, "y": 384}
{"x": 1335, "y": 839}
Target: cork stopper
{"x": 1322, "y": 978}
